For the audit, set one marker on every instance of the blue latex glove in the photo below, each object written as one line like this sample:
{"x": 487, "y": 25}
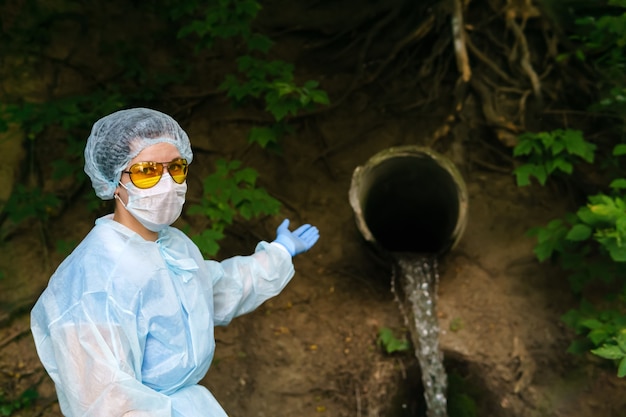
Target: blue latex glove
{"x": 298, "y": 241}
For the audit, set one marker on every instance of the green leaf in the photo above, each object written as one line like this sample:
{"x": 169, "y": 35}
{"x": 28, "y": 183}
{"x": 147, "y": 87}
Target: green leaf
{"x": 579, "y": 347}
{"x": 543, "y": 251}
{"x": 621, "y": 369}
{"x": 577, "y": 145}
{"x": 619, "y": 150}
{"x": 621, "y": 337}
{"x": 563, "y": 165}
{"x": 591, "y": 324}
{"x": 390, "y": 343}
{"x": 541, "y": 174}
{"x": 320, "y": 97}
{"x": 525, "y": 145}
{"x": 522, "y": 175}
{"x": 618, "y": 184}
{"x": 586, "y": 215}
{"x": 618, "y": 253}
{"x": 262, "y": 136}
{"x": 598, "y": 336}
{"x": 280, "y": 108}
{"x": 524, "y": 172}
{"x": 547, "y": 138}
{"x": 609, "y": 352}
{"x": 579, "y": 232}
{"x": 311, "y": 84}
{"x": 207, "y": 241}
{"x": 246, "y": 175}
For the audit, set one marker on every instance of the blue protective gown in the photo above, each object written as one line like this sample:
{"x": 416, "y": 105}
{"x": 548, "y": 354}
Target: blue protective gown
{"x": 125, "y": 326}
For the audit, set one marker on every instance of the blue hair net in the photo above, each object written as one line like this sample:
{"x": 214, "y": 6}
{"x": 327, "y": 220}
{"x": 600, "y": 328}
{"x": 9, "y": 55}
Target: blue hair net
{"x": 119, "y": 137}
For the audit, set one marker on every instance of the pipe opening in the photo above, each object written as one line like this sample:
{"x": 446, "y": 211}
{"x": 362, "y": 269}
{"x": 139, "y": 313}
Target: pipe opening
{"x": 409, "y": 199}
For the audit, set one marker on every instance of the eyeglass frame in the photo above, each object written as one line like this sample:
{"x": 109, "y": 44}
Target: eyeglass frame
{"x": 164, "y": 165}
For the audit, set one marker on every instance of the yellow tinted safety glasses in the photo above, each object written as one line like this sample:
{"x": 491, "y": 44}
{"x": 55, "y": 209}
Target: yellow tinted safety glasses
{"x": 148, "y": 174}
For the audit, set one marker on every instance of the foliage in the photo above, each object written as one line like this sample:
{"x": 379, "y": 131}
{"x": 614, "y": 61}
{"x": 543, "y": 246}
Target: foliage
{"x": 603, "y": 39}
{"x": 8, "y": 406}
{"x": 590, "y": 244}
{"x": 274, "y": 80}
{"x": 456, "y": 324}
{"x": 27, "y": 203}
{"x": 549, "y": 152}
{"x": 605, "y": 332}
{"x": 390, "y": 343}
{"x": 228, "y": 192}
{"x": 71, "y": 115}
{"x": 257, "y": 77}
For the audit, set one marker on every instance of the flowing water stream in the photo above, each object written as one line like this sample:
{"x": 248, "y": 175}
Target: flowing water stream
{"x": 414, "y": 284}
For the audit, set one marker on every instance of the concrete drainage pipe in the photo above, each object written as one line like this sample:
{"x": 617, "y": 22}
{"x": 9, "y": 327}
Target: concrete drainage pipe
{"x": 409, "y": 199}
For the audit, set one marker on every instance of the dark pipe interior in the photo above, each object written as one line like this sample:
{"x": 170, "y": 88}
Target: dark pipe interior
{"x": 412, "y": 205}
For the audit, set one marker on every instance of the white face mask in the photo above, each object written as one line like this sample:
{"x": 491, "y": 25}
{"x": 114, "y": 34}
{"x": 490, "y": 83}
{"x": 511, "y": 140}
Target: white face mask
{"x": 156, "y": 207}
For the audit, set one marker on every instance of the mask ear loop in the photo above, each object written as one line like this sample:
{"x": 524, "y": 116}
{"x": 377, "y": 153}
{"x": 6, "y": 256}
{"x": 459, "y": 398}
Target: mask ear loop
{"x": 116, "y": 194}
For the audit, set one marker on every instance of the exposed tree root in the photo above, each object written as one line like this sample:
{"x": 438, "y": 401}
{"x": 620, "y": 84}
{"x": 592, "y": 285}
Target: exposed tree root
{"x": 422, "y": 30}
{"x": 493, "y": 45}
{"x": 525, "y": 64}
{"x": 506, "y": 131}
{"x": 492, "y": 65}
{"x": 460, "y": 44}
{"x": 14, "y": 336}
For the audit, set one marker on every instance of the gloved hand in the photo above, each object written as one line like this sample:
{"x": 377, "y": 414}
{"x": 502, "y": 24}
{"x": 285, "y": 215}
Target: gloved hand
{"x": 298, "y": 241}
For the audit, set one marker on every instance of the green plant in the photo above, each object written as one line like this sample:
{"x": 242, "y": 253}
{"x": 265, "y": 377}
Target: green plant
{"x": 390, "y": 343}
{"x": 274, "y": 82}
{"x": 9, "y": 406}
{"x": 615, "y": 350}
{"x": 604, "y": 333}
{"x": 257, "y": 76}
{"x": 591, "y": 245}
{"x": 456, "y": 324}
{"x": 26, "y": 203}
{"x": 596, "y": 232}
{"x": 71, "y": 115}
{"x": 550, "y": 152}
{"x": 602, "y": 39}
{"x": 228, "y": 192}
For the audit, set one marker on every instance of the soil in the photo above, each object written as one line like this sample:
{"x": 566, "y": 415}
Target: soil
{"x": 312, "y": 350}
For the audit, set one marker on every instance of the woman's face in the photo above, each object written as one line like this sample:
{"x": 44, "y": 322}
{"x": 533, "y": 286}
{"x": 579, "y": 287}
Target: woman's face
{"x": 160, "y": 152}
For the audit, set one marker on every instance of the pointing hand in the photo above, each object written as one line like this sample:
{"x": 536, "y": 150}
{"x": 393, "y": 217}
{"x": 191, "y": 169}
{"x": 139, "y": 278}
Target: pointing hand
{"x": 298, "y": 241}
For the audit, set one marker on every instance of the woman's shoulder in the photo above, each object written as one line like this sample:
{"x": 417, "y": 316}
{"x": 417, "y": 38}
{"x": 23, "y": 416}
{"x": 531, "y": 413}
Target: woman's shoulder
{"x": 106, "y": 251}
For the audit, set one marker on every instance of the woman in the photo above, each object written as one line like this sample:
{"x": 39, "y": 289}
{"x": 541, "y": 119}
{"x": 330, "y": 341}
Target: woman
{"x": 125, "y": 326}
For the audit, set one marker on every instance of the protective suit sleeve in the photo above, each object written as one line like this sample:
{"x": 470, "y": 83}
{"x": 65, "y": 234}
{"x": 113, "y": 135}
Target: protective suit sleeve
{"x": 242, "y": 283}
{"x": 94, "y": 364}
